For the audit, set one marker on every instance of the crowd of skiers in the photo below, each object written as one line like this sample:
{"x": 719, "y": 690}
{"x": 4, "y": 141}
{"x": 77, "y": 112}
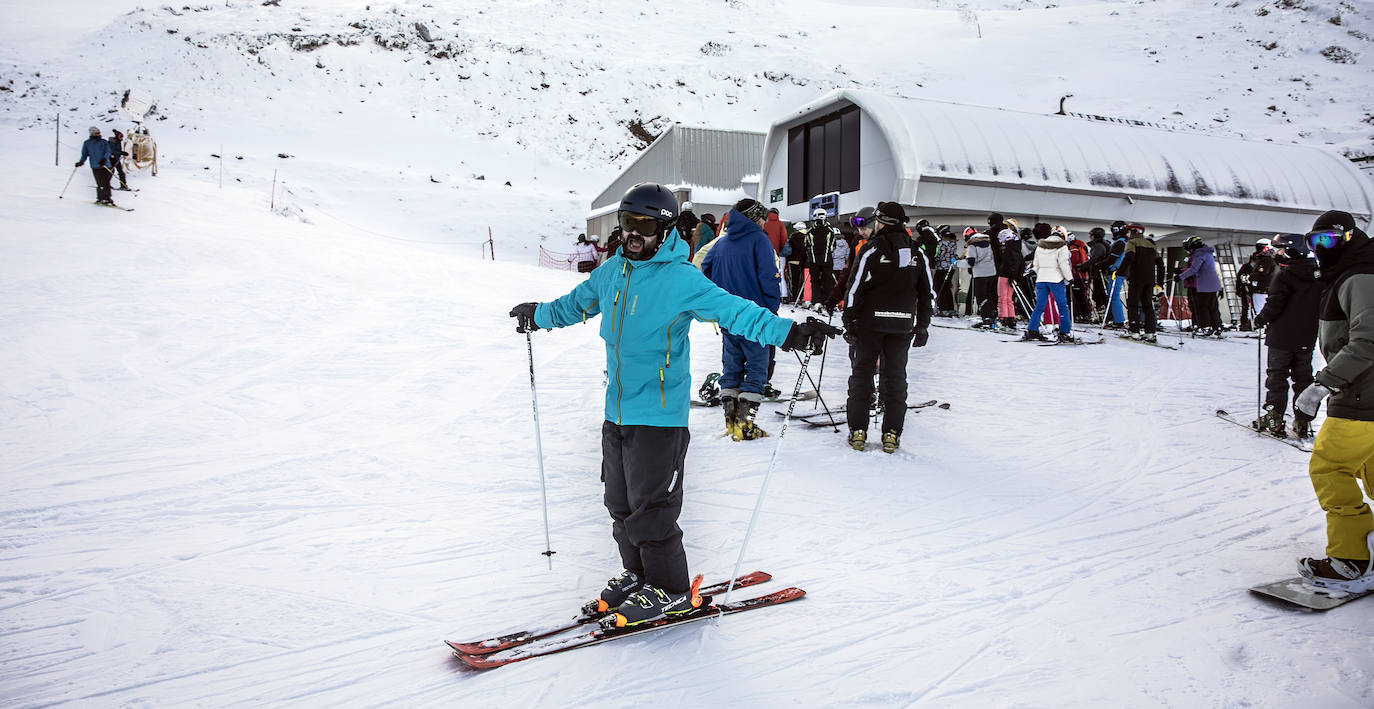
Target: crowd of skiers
{"x": 888, "y": 280}
{"x": 106, "y": 158}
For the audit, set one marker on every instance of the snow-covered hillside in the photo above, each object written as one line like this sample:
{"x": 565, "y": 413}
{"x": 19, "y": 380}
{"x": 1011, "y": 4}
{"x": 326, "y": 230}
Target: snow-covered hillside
{"x": 275, "y": 458}
{"x": 555, "y": 97}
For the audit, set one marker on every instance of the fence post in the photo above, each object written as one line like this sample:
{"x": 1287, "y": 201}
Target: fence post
{"x": 57, "y": 143}
{"x": 491, "y": 244}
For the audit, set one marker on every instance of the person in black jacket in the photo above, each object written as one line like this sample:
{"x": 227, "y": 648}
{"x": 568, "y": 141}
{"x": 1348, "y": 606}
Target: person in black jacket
{"x": 796, "y": 264}
{"x": 820, "y": 255}
{"x": 1289, "y": 319}
{"x": 117, "y": 159}
{"x": 1140, "y": 265}
{"x": 887, "y": 307}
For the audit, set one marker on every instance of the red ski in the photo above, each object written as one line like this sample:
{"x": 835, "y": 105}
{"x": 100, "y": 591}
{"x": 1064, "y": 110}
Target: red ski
{"x": 553, "y": 644}
{"x": 516, "y": 639}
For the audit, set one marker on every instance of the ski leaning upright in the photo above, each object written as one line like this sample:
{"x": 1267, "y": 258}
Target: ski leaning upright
{"x": 562, "y": 642}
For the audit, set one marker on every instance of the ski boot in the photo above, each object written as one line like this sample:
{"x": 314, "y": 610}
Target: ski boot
{"x": 745, "y": 411}
{"x": 891, "y": 441}
{"x": 984, "y": 324}
{"x": 1271, "y": 422}
{"x": 1149, "y": 337}
{"x": 857, "y": 439}
{"x": 1033, "y": 336}
{"x": 770, "y": 393}
{"x": 617, "y": 590}
{"x": 1349, "y": 575}
{"x": 651, "y": 603}
{"x": 1064, "y": 338}
{"x": 729, "y": 401}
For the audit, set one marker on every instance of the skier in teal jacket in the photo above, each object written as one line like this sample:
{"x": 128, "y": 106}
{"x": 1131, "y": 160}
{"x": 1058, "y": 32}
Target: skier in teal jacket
{"x": 648, "y": 295}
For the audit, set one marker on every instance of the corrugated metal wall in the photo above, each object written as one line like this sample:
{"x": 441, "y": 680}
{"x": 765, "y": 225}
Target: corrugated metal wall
{"x": 691, "y": 156}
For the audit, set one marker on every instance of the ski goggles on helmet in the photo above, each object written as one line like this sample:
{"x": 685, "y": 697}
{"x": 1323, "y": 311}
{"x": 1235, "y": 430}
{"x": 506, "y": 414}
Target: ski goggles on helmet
{"x": 1327, "y": 238}
{"x": 641, "y": 224}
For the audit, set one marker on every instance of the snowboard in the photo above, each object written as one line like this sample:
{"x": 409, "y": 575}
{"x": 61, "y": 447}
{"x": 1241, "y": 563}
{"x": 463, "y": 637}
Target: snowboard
{"x": 1297, "y": 591}
{"x": 1302, "y": 444}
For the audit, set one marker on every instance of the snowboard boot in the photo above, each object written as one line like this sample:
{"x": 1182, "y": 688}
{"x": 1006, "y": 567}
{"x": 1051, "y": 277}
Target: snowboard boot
{"x": 744, "y": 418}
{"x": 891, "y": 441}
{"x": 1033, "y": 336}
{"x": 857, "y": 439}
{"x": 1302, "y": 426}
{"x": 1270, "y": 422}
{"x": 729, "y": 401}
{"x": 651, "y": 603}
{"x": 1349, "y": 575}
{"x": 617, "y": 590}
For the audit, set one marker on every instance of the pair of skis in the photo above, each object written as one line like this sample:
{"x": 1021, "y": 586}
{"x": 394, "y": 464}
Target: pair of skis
{"x": 1052, "y": 343}
{"x": 1143, "y": 342}
{"x": 590, "y": 628}
{"x": 821, "y": 419}
{"x": 804, "y": 396}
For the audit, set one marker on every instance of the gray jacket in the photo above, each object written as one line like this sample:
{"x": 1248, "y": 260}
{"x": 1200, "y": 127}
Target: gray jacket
{"x": 980, "y": 257}
{"x": 1345, "y": 335}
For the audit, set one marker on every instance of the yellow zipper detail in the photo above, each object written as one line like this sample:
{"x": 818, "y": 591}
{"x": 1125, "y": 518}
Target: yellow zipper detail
{"x": 618, "y": 332}
{"x": 662, "y": 395}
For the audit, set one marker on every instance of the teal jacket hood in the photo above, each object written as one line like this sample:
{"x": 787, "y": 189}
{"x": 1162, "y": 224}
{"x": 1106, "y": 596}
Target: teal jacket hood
{"x": 646, "y": 310}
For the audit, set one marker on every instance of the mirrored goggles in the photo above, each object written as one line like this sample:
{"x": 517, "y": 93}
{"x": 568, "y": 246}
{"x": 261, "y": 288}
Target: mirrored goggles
{"x": 640, "y": 224}
{"x": 1327, "y": 238}
{"x": 858, "y": 222}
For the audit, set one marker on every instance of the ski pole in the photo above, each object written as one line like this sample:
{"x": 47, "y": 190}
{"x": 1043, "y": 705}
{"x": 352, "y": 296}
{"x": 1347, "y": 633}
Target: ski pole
{"x": 539, "y": 452}
{"x": 821, "y": 376}
{"x": 819, "y": 399}
{"x": 772, "y": 464}
{"x": 1178, "y": 317}
{"x": 69, "y": 181}
{"x": 1259, "y": 372}
{"x": 1111, "y": 301}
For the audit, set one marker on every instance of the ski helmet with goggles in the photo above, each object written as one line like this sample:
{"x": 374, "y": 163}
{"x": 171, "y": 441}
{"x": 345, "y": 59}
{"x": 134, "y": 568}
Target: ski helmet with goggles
{"x": 1061, "y": 232}
{"x": 1011, "y": 224}
{"x": 944, "y": 230}
{"x": 1331, "y": 232}
{"x": 818, "y": 214}
{"x": 1263, "y": 245}
{"x": 970, "y": 231}
{"x": 1290, "y": 247}
{"x": 863, "y": 218}
{"x": 1192, "y": 243}
{"x": 649, "y": 211}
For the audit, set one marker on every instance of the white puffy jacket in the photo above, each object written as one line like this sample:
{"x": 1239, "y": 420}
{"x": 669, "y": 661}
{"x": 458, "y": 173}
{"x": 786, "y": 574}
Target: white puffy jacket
{"x": 1052, "y": 261}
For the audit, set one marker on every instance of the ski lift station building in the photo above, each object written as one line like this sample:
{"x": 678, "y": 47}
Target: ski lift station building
{"x": 955, "y": 164}
{"x": 710, "y": 168}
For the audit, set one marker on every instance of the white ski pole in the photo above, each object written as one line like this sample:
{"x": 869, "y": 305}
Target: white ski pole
{"x": 69, "y": 181}
{"x": 539, "y": 451}
{"x": 772, "y": 463}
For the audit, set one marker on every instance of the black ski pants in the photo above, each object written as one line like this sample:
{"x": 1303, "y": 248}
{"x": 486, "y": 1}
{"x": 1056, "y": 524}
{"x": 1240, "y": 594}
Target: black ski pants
{"x": 884, "y": 354}
{"x": 642, "y": 467}
{"x": 1208, "y": 311}
{"x": 944, "y": 291}
{"x": 102, "y": 183}
{"x": 822, "y": 282}
{"x": 1285, "y": 366}
{"x": 985, "y": 293}
{"x": 1140, "y": 303}
{"x": 796, "y": 276}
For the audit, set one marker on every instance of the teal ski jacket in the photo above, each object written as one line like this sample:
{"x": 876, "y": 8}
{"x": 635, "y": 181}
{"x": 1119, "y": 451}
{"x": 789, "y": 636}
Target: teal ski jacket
{"x": 647, "y": 308}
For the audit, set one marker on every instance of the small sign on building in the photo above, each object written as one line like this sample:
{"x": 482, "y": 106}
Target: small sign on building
{"x": 775, "y": 196}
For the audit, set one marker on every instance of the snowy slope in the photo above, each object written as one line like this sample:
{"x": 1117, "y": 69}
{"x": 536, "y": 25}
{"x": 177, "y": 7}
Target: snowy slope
{"x": 275, "y": 458}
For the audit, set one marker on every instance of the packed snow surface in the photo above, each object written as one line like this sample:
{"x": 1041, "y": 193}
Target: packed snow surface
{"x": 274, "y": 456}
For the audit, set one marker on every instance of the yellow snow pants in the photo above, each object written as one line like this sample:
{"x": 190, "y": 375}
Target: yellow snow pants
{"x": 1343, "y": 453}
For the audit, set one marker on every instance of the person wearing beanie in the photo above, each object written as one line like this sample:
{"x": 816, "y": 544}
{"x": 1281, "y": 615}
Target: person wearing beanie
{"x": 117, "y": 154}
{"x": 1141, "y": 267}
{"x": 97, "y": 149}
{"x": 887, "y": 306}
{"x": 743, "y": 263}
{"x": 1344, "y": 448}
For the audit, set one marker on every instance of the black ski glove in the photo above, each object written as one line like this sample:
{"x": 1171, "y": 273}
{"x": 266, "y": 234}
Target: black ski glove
{"x": 524, "y": 317}
{"x": 78, "y": 164}
{"x": 809, "y": 335}
{"x": 919, "y": 337}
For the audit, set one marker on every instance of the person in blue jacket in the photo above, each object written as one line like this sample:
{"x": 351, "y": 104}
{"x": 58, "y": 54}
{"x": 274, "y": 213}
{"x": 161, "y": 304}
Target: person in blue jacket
{"x": 648, "y": 294}
{"x": 744, "y": 264}
{"x": 98, "y": 151}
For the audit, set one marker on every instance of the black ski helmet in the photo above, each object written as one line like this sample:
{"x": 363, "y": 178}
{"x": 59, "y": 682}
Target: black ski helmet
{"x": 1118, "y": 226}
{"x": 650, "y": 200}
{"x": 1192, "y": 243}
{"x": 1290, "y": 247}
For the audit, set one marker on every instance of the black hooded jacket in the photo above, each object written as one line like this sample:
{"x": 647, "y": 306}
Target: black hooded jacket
{"x": 1345, "y": 332}
{"x": 889, "y": 285}
{"x": 1290, "y": 313}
